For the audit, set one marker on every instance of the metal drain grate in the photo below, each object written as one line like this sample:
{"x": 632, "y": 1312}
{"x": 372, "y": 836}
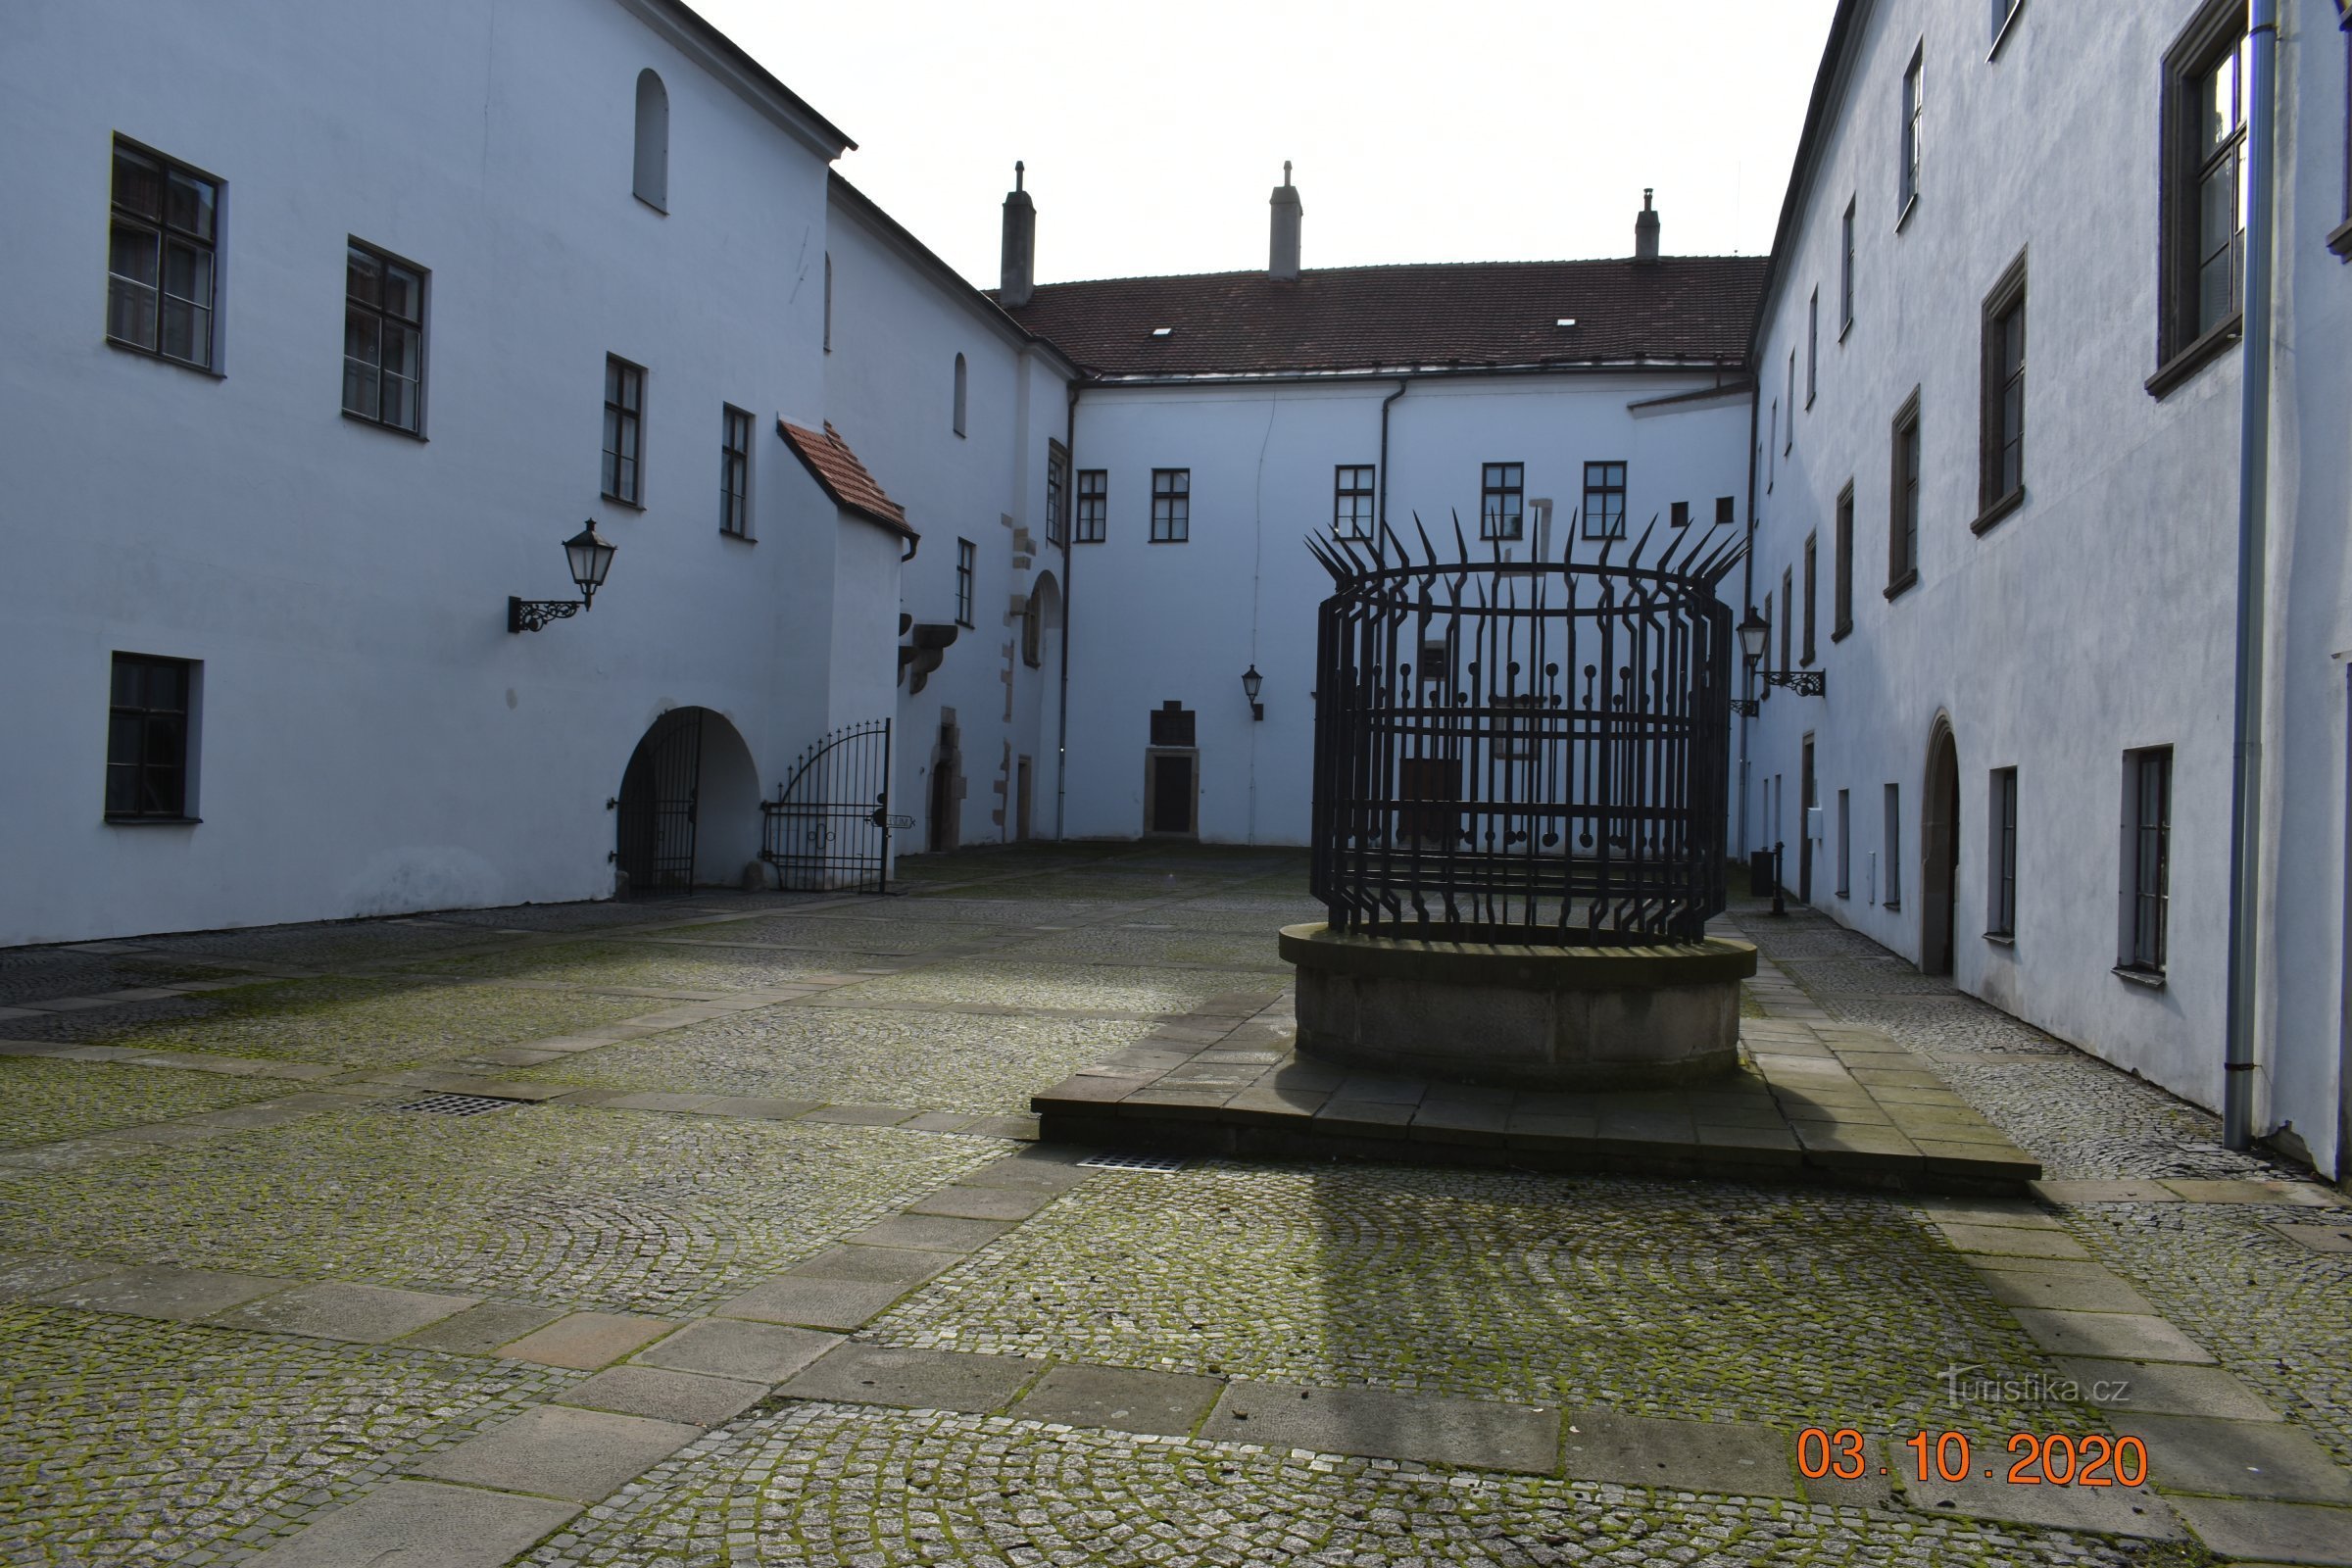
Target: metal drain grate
{"x": 1162, "y": 1163}
{"x": 456, "y": 1104}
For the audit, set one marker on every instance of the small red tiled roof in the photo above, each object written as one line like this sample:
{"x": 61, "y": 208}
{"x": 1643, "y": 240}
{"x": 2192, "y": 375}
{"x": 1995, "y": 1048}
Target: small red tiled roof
{"x": 1681, "y": 310}
{"x": 844, "y": 477}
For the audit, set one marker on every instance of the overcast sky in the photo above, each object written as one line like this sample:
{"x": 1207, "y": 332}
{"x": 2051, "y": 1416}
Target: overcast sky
{"x": 1466, "y": 130}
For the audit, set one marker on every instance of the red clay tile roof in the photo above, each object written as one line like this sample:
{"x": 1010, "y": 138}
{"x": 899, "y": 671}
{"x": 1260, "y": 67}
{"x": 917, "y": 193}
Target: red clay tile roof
{"x": 837, "y": 469}
{"x": 1684, "y": 309}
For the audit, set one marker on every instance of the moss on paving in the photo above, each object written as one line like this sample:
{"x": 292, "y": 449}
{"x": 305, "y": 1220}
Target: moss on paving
{"x": 42, "y": 1101}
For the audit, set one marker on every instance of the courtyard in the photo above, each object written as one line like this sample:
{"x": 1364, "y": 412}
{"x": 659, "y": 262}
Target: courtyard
{"x": 714, "y": 1230}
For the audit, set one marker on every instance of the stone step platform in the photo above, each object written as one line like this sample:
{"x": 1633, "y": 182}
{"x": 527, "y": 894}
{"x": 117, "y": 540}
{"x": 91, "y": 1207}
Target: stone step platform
{"x": 1811, "y": 1103}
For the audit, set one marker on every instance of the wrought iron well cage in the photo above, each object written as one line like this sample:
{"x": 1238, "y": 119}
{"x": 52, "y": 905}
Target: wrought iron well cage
{"x": 1530, "y": 752}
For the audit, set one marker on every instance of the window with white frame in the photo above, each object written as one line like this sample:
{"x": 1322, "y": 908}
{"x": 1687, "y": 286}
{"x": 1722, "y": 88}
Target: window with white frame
{"x": 967, "y": 567}
{"x": 1907, "y": 188}
{"x": 161, "y": 243}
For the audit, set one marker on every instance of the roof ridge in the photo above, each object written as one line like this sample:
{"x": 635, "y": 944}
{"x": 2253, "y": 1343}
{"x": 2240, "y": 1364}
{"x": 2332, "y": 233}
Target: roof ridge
{"x": 1394, "y": 267}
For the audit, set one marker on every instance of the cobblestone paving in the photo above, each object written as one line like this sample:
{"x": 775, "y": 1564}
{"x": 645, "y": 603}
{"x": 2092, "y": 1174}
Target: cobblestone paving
{"x": 44, "y": 1101}
{"x": 1145, "y": 942}
{"x": 874, "y": 933}
{"x": 621, "y": 1210}
{"x": 661, "y": 965}
{"x": 359, "y": 1023}
{"x": 148, "y": 1443}
{"x": 1072, "y": 986}
{"x": 1681, "y": 1301}
{"x": 38, "y": 974}
{"x": 835, "y": 1487}
{"x": 322, "y": 946}
{"x": 982, "y": 1065}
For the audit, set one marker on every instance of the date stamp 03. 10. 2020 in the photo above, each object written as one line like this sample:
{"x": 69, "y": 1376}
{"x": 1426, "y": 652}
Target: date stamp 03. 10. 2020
{"x": 2032, "y": 1460}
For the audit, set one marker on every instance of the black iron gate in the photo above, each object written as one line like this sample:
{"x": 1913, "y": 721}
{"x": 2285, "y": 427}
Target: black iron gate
{"x": 658, "y": 805}
{"x": 828, "y": 828}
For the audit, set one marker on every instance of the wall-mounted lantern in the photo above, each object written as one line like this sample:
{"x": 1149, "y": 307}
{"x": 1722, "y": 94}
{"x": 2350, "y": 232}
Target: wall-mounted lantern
{"x": 1252, "y": 683}
{"x": 590, "y": 557}
{"x": 1754, "y": 632}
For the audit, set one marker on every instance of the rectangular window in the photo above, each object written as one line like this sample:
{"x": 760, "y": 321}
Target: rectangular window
{"x": 383, "y": 339}
{"x": 1811, "y": 573}
{"x": 828, "y": 302}
{"x": 2147, "y": 858}
{"x": 1726, "y": 510}
{"x": 1772, "y": 450}
{"x": 1845, "y": 274}
{"x": 1057, "y": 492}
{"x": 1902, "y": 511}
{"x": 1605, "y": 501}
{"x": 1812, "y": 347}
{"x": 1789, "y": 444}
{"x": 147, "y": 739}
{"x": 1679, "y": 515}
{"x": 1842, "y": 568}
{"x": 1501, "y": 498}
{"x": 1846, "y": 844}
{"x": 2204, "y": 192}
{"x": 967, "y": 564}
{"x": 2340, "y": 241}
{"x": 1171, "y": 506}
{"x": 1094, "y": 505}
{"x": 624, "y": 424}
{"x": 735, "y": 473}
{"x": 1788, "y": 616}
{"x": 2001, "y": 915}
{"x": 1908, "y": 190}
{"x": 1351, "y": 502}
{"x": 1894, "y": 847}
{"x": 2002, "y": 429}
{"x": 161, "y": 246}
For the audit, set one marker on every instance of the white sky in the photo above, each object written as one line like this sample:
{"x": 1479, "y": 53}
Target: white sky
{"x": 1465, "y": 131}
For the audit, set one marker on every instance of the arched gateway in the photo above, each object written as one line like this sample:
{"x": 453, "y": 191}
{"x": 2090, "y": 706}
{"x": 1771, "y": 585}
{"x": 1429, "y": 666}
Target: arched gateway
{"x": 689, "y": 806}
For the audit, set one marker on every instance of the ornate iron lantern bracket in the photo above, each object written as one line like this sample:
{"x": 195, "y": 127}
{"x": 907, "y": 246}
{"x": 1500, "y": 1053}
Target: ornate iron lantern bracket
{"x": 529, "y": 614}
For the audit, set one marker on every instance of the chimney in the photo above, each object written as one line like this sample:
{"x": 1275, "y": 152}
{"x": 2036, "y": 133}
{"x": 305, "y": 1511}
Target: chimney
{"x": 1645, "y": 231}
{"x": 1282, "y": 260}
{"x": 1017, "y": 281}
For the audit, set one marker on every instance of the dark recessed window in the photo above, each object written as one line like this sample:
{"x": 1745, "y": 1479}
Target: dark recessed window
{"x": 967, "y": 567}
{"x": 1057, "y": 492}
{"x": 147, "y": 739}
{"x": 1902, "y": 510}
{"x": 160, "y": 247}
{"x": 735, "y": 473}
{"x": 1605, "y": 501}
{"x": 1892, "y": 826}
{"x": 1501, "y": 500}
{"x": 2203, "y": 199}
{"x": 1914, "y": 111}
{"x": 1726, "y": 508}
{"x": 2000, "y": 914}
{"x": 1679, "y": 514}
{"x": 1842, "y": 569}
{"x": 1094, "y": 505}
{"x": 1812, "y": 573}
{"x": 1787, "y": 617}
{"x": 963, "y": 387}
{"x": 2147, "y": 858}
{"x": 828, "y": 302}
{"x": 1789, "y": 445}
{"x": 1812, "y": 347}
{"x": 1845, "y": 273}
{"x": 2003, "y": 433}
{"x": 2340, "y": 241}
{"x": 1351, "y": 501}
{"x": 650, "y": 178}
{"x": 1171, "y": 506}
{"x": 624, "y": 430}
{"x": 383, "y": 338}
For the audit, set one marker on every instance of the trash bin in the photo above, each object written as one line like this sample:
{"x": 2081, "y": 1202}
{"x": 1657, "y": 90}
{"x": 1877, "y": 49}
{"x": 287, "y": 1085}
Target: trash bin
{"x": 1759, "y": 873}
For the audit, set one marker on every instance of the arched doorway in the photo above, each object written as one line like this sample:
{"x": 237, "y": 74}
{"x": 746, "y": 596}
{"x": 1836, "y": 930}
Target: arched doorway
{"x": 1939, "y": 853}
{"x": 689, "y": 806}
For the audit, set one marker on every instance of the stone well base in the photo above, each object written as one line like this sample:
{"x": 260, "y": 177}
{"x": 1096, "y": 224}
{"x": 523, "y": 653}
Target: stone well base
{"x": 1520, "y": 1018}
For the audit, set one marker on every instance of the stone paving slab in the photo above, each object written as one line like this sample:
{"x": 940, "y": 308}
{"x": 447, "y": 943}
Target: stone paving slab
{"x": 2122, "y": 1335}
{"x": 174, "y": 1294}
{"x": 419, "y": 1522}
{"x": 728, "y": 1348}
{"x": 2069, "y": 1293}
{"x": 814, "y": 1303}
{"x": 2280, "y": 1532}
{"x": 366, "y": 1314}
{"x": 1482, "y": 1434}
{"x": 2108, "y": 1510}
{"x": 586, "y": 1341}
{"x": 482, "y": 1330}
{"x": 555, "y": 1452}
{"x": 2319, "y": 1237}
{"x": 961, "y": 1202}
{"x": 2012, "y": 1240}
{"x": 927, "y": 1380}
{"x": 930, "y": 1233}
{"x": 1734, "y": 1458}
{"x": 666, "y": 1396}
{"x": 2240, "y": 1458}
{"x": 23, "y": 1275}
{"x": 1123, "y": 1398}
{"x": 2164, "y": 1388}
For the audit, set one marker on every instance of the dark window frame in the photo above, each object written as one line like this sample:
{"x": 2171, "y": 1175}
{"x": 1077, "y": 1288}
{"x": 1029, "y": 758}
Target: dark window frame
{"x": 1812, "y": 583}
{"x": 1904, "y": 502}
{"x": 734, "y": 471}
{"x": 624, "y": 432}
{"x": 2000, "y": 818}
{"x": 1171, "y": 506}
{"x": 1912, "y": 161}
{"x": 1841, "y": 566}
{"x": 1677, "y": 514}
{"x": 140, "y": 787}
{"x": 2340, "y": 241}
{"x": 1609, "y": 494}
{"x": 1788, "y": 616}
{"x": 967, "y": 572}
{"x": 1788, "y": 440}
{"x": 963, "y": 390}
{"x": 1352, "y": 498}
{"x": 1813, "y": 347}
{"x": 161, "y": 236}
{"x": 1091, "y": 521}
{"x": 1727, "y": 510}
{"x": 1057, "y": 492}
{"x": 2185, "y": 341}
{"x": 2148, "y": 862}
{"x": 1845, "y": 271}
{"x": 385, "y": 319}
{"x": 1502, "y": 499}
{"x": 2001, "y": 405}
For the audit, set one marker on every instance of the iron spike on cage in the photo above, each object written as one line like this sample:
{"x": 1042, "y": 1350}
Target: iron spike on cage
{"x": 1522, "y": 750}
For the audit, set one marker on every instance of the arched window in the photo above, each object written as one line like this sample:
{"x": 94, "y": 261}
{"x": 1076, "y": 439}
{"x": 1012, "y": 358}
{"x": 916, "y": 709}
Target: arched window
{"x": 653, "y": 142}
{"x": 960, "y": 394}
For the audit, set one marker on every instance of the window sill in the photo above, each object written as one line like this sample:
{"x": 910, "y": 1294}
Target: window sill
{"x": 650, "y": 203}
{"x": 1183, "y": 541}
{"x": 416, "y": 436}
{"x": 1841, "y": 632}
{"x": 1903, "y": 218}
{"x": 2340, "y": 241}
{"x": 1845, "y": 893}
{"x": 1896, "y": 905}
{"x": 160, "y": 358}
{"x": 633, "y": 506}
{"x": 1998, "y": 511}
{"x": 1846, "y": 331}
{"x": 2001, "y": 939}
{"x": 1902, "y": 585}
{"x": 153, "y": 821}
{"x": 2153, "y": 979}
{"x": 2194, "y": 357}
{"x": 2008, "y": 26}
{"x": 739, "y": 538}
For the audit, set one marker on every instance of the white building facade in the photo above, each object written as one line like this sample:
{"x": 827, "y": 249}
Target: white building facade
{"x": 1999, "y": 399}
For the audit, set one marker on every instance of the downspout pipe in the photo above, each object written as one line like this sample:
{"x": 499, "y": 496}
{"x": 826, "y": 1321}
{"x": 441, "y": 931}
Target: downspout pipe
{"x": 2253, "y": 570}
{"x": 1401, "y": 385}
{"x": 1069, "y": 526}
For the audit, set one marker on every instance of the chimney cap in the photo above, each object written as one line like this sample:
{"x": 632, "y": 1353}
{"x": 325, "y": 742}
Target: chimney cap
{"x": 1286, "y": 170}
{"x": 1018, "y": 167}
{"x": 1646, "y": 192}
